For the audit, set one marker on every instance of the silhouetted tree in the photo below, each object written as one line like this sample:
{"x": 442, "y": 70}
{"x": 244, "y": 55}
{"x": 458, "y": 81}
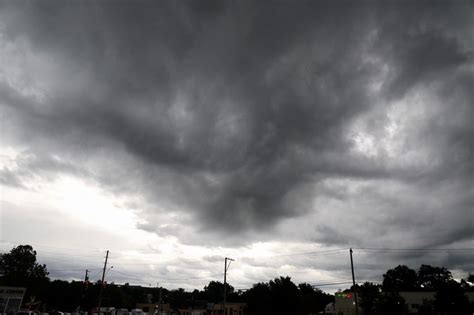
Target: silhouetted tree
{"x": 433, "y": 278}
{"x": 259, "y": 298}
{"x": 19, "y": 268}
{"x": 178, "y": 297}
{"x": 285, "y": 296}
{"x": 450, "y": 299}
{"x": 465, "y": 285}
{"x": 282, "y": 296}
{"x": 313, "y": 300}
{"x": 214, "y": 291}
{"x": 426, "y": 308}
{"x": 62, "y": 295}
{"x": 401, "y": 278}
{"x": 390, "y": 303}
{"x": 470, "y": 278}
{"x": 369, "y": 294}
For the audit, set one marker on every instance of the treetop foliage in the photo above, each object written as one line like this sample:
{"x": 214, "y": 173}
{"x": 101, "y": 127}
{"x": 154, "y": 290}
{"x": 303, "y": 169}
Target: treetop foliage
{"x": 19, "y": 267}
{"x": 385, "y": 299}
{"x": 401, "y": 278}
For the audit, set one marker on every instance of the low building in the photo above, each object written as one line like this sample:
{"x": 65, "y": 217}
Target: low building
{"x": 415, "y": 299}
{"x": 330, "y": 309}
{"x": 232, "y": 309}
{"x": 345, "y": 303}
{"x": 11, "y": 299}
{"x": 215, "y": 309}
{"x": 155, "y": 308}
{"x": 182, "y": 311}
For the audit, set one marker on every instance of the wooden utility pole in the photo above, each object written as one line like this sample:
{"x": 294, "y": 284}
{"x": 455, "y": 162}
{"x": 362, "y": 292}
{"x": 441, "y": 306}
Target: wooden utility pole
{"x": 86, "y": 278}
{"x": 161, "y": 301}
{"x": 225, "y": 283}
{"x": 84, "y": 289}
{"x": 102, "y": 282}
{"x": 354, "y": 284}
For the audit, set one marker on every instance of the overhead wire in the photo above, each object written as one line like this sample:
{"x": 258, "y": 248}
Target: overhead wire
{"x": 122, "y": 260}
{"x": 117, "y": 262}
{"x": 412, "y": 249}
{"x": 194, "y": 278}
{"x": 58, "y": 269}
{"x": 310, "y": 253}
{"x": 137, "y": 277}
{"x": 48, "y": 246}
{"x": 313, "y": 285}
{"x": 330, "y": 284}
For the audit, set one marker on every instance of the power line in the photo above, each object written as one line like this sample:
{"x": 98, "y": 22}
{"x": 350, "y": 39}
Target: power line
{"x": 52, "y": 258}
{"x": 117, "y": 262}
{"x": 58, "y": 254}
{"x": 62, "y": 256}
{"x": 312, "y": 253}
{"x": 196, "y": 278}
{"x": 67, "y": 255}
{"x": 96, "y": 274}
{"x": 243, "y": 257}
{"x": 48, "y": 246}
{"x": 72, "y": 270}
{"x": 127, "y": 275}
{"x": 313, "y": 285}
{"x": 413, "y": 249}
{"x": 330, "y": 284}
{"x": 137, "y": 277}
{"x": 304, "y": 253}
{"x": 64, "y": 259}
{"x": 99, "y": 252}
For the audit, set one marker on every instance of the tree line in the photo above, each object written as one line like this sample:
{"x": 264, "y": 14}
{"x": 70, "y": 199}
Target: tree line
{"x": 278, "y": 296}
{"x": 384, "y": 299}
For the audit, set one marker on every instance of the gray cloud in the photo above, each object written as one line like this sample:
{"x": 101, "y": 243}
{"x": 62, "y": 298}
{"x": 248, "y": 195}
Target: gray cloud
{"x": 9, "y": 178}
{"x": 234, "y": 115}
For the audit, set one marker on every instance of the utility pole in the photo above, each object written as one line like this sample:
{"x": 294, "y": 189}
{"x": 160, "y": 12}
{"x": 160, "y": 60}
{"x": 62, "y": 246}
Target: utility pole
{"x": 225, "y": 282}
{"x": 86, "y": 278}
{"x": 102, "y": 282}
{"x": 84, "y": 289}
{"x": 161, "y": 302}
{"x": 354, "y": 284}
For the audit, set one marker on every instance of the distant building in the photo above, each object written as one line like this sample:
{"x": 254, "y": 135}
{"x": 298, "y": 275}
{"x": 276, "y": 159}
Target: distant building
{"x": 11, "y": 299}
{"x": 215, "y": 309}
{"x": 345, "y": 303}
{"x": 192, "y": 311}
{"x": 330, "y": 309}
{"x": 232, "y": 309}
{"x": 415, "y": 299}
{"x": 155, "y": 308}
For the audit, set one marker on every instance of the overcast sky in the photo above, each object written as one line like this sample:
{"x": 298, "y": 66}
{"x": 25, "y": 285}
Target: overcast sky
{"x": 175, "y": 133}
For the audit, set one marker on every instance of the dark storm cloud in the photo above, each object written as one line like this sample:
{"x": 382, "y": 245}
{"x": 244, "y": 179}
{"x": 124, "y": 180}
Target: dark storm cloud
{"x": 230, "y": 112}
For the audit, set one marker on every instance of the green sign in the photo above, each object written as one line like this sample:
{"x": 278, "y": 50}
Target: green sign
{"x": 344, "y": 295}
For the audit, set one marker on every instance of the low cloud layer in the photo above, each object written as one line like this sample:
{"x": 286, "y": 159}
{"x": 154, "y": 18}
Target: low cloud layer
{"x": 228, "y": 123}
